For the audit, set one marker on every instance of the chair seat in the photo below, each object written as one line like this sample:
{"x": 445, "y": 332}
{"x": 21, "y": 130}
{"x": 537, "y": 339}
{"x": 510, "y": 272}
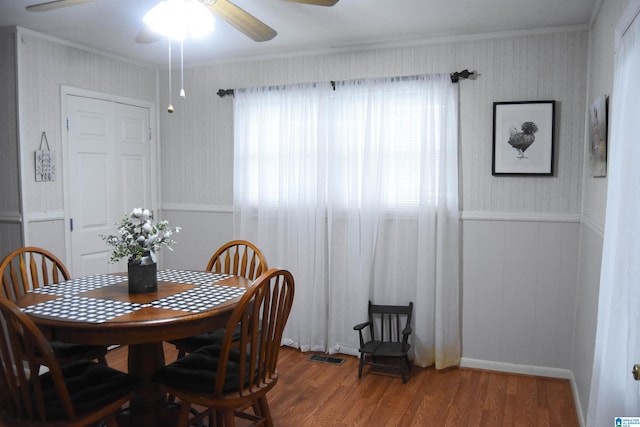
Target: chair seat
{"x": 237, "y": 257}
{"x": 91, "y": 386}
{"x": 235, "y": 375}
{"x": 197, "y": 371}
{"x": 385, "y": 349}
{"x": 30, "y": 268}
{"x": 64, "y": 350}
{"x": 192, "y": 343}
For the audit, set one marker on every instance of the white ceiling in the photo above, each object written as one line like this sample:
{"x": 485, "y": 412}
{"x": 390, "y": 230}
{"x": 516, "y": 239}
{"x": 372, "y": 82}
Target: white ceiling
{"x": 112, "y": 25}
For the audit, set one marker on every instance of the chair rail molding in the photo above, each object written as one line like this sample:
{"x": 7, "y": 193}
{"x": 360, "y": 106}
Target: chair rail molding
{"x": 594, "y": 225}
{"x": 519, "y": 216}
{"x": 10, "y": 217}
{"x": 43, "y": 216}
{"x": 178, "y": 207}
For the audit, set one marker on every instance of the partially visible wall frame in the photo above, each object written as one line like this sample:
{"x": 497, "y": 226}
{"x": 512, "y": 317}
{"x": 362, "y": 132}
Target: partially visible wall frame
{"x": 523, "y": 138}
{"x": 598, "y": 137}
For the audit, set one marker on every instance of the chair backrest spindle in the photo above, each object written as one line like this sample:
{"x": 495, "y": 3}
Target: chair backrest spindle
{"x": 59, "y": 396}
{"x": 240, "y": 258}
{"x": 261, "y": 315}
{"x": 29, "y": 268}
{"x": 388, "y": 321}
{"x": 22, "y": 392}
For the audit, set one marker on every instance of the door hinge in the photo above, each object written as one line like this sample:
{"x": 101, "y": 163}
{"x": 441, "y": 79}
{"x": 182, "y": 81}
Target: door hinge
{"x": 68, "y": 123}
{"x": 149, "y": 135}
{"x": 71, "y": 224}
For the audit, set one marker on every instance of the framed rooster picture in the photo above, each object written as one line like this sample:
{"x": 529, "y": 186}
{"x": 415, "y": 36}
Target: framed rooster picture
{"x": 523, "y": 138}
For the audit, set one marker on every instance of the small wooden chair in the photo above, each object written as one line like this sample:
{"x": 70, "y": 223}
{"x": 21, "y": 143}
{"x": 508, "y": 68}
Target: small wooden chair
{"x": 389, "y": 330}
{"x": 30, "y": 268}
{"x": 237, "y": 257}
{"x": 238, "y": 372}
{"x": 80, "y": 393}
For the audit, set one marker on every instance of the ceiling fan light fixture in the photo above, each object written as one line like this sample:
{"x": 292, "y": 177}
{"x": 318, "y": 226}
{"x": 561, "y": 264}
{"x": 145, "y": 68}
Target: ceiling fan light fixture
{"x": 178, "y": 19}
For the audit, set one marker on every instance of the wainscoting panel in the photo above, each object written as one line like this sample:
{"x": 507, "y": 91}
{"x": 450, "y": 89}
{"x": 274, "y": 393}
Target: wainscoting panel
{"x": 10, "y": 232}
{"x": 518, "y": 292}
{"x": 48, "y": 233}
{"x": 204, "y": 229}
{"x": 587, "y": 296}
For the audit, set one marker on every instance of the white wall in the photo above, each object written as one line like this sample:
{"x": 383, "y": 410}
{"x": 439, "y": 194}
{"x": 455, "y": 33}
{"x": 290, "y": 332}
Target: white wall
{"x": 198, "y": 136}
{"x": 10, "y": 217}
{"x": 204, "y": 228}
{"x": 599, "y": 82}
{"x": 44, "y": 65}
{"x": 520, "y": 234}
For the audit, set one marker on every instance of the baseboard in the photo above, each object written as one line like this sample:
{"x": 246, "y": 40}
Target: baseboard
{"x": 539, "y": 371}
{"x": 513, "y": 368}
{"x": 576, "y": 400}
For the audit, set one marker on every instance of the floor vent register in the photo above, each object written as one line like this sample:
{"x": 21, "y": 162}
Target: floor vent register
{"x": 326, "y": 359}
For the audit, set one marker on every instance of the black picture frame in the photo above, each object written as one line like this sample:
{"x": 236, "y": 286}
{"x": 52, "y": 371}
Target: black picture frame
{"x": 523, "y": 138}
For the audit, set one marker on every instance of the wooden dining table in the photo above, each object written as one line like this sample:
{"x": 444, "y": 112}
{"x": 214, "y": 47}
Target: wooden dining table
{"x": 99, "y": 310}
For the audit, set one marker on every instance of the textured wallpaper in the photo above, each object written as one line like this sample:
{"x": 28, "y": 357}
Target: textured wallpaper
{"x": 197, "y": 140}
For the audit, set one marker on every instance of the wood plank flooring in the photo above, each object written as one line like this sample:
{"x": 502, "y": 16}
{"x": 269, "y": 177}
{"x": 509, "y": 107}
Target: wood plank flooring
{"x": 319, "y": 394}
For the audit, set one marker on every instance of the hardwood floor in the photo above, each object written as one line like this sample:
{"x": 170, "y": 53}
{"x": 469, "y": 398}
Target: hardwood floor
{"x": 319, "y": 394}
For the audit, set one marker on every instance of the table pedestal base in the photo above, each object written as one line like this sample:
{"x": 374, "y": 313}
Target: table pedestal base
{"x": 149, "y": 403}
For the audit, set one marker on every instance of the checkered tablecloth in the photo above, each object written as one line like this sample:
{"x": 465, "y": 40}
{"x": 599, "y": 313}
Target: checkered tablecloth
{"x": 74, "y": 306}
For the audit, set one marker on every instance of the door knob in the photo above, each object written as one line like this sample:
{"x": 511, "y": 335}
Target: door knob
{"x": 636, "y": 372}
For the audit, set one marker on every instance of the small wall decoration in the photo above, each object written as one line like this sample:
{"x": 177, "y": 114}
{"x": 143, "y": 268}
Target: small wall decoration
{"x": 598, "y": 137}
{"x": 523, "y": 138}
{"x": 45, "y": 161}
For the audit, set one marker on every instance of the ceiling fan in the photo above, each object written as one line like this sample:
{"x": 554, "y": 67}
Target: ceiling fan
{"x": 243, "y": 21}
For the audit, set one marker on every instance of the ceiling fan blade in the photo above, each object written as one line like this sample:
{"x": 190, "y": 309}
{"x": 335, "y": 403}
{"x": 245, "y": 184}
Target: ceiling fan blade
{"x": 244, "y": 22}
{"x": 147, "y": 35}
{"x": 56, "y": 4}
{"x": 316, "y": 2}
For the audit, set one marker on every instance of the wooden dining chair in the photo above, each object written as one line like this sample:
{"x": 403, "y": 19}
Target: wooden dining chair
{"x": 384, "y": 338}
{"x": 238, "y": 372}
{"x": 29, "y": 268}
{"x": 240, "y": 258}
{"x": 80, "y": 393}
{"x": 237, "y": 257}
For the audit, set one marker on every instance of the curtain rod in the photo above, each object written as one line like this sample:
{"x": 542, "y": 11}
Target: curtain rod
{"x": 455, "y": 78}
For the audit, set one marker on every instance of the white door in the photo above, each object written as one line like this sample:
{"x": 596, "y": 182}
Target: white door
{"x": 109, "y": 154}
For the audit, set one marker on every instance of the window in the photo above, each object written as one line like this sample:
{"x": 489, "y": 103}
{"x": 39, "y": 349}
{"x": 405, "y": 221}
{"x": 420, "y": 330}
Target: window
{"x": 334, "y": 143}
{"x": 352, "y": 190}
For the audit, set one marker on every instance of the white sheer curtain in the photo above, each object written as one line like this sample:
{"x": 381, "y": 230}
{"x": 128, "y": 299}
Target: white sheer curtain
{"x": 355, "y": 191}
{"x": 614, "y": 393}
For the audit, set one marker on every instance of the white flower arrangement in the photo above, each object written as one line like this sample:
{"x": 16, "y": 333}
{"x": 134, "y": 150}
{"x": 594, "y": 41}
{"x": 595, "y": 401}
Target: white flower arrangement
{"x": 139, "y": 238}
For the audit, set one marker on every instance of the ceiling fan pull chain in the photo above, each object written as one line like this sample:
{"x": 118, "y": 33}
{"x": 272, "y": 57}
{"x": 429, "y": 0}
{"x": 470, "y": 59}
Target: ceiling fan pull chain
{"x": 170, "y": 107}
{"x": 182, "y": 69}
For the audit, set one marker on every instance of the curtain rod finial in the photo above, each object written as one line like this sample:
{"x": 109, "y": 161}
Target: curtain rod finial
{"x": 464, "y": 74}
{"x": 224, "y": 92}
